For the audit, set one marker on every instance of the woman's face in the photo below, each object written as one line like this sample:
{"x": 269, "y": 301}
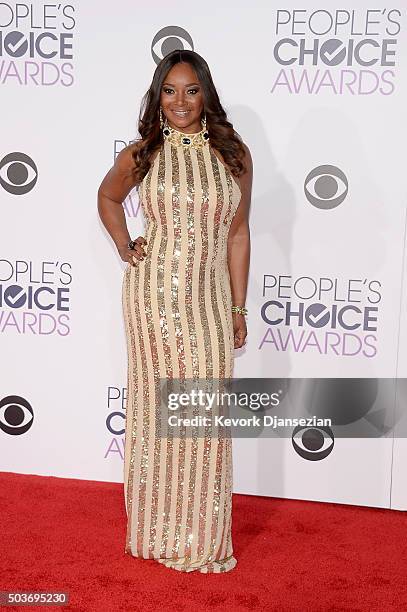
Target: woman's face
{"x": 182, "y": 99}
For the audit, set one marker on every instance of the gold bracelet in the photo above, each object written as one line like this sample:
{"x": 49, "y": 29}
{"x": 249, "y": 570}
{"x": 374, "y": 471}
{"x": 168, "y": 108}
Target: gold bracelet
{"x": 240, "y": 309}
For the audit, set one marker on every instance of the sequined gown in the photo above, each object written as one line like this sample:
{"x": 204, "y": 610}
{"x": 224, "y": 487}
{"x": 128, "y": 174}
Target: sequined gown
{"x": 177, "y": 312}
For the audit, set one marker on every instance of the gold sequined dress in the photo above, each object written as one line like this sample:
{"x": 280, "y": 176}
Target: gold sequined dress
{"x": 177, "y": 311}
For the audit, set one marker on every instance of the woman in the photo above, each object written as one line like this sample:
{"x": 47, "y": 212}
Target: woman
{"x": 184, "y": 293}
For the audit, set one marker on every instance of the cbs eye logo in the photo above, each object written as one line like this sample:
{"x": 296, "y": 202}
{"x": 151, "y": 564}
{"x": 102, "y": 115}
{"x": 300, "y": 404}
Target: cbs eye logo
{"x": 168, "y": 39}
{"x": 18, "y": 173}
{"x": 313, "y": 443}
{"x": 326, "y": 187}
{"x": 16, "y": 415}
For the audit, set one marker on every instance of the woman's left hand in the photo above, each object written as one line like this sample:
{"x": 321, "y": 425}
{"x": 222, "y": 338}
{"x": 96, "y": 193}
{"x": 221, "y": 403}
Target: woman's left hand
{"x": 239, "y": 329}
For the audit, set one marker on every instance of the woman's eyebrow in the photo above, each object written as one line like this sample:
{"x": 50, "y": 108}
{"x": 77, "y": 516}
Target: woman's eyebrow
{"x": 189, "y": 84}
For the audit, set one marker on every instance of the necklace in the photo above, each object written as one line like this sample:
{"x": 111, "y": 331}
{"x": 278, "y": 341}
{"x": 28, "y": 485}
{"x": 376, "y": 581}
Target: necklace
{"x": 197, "y": 140}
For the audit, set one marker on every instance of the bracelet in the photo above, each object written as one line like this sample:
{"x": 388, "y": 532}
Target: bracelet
{"x": 240, "y": 309}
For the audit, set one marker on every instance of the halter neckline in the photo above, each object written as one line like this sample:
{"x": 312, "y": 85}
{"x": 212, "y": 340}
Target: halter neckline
{"x": 178, "y": 138}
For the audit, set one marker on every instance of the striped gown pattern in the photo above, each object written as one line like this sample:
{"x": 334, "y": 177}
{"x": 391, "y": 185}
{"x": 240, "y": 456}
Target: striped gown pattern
{"x": 177, "y": 312}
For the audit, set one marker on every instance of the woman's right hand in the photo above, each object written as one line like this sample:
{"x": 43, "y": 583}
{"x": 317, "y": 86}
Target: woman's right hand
{"x": 138, "y": 251}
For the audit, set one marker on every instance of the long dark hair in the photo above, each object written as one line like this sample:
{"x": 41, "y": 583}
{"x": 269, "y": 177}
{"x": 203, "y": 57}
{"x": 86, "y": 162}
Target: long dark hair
{"x": 222, "y": 135}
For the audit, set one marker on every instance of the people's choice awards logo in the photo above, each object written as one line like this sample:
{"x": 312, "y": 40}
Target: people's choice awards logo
{"x": 336, "y": 52}
{"x": 168, "y": 39}
{"x": 116, "y": 400}
{"x": 36, "y": 43}
{"x": 327, "y": 316}
{"x": 18, "y": 173}
{"x": 35, "y": 297}
{"x": 326, "y": 187}
{"x": 16, "y": 415}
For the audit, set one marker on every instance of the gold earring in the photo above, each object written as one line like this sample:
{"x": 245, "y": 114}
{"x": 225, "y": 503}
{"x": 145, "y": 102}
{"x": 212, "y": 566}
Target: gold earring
{"x": 204, "y": 128}
{"x": 161, "y": 118}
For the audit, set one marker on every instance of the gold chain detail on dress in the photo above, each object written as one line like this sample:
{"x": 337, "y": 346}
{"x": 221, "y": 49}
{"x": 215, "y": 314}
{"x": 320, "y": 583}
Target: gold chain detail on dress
{"x": 197, "y": 140}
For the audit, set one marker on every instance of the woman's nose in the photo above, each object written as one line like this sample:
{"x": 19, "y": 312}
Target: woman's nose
{"x": 180, "y": 98}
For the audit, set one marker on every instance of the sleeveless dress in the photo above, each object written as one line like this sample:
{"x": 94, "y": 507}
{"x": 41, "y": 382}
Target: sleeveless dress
{"x": 178, "y": 321}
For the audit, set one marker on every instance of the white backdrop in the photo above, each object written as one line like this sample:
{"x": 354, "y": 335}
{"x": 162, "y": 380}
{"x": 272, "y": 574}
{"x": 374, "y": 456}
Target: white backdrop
{"x": 327, "y": 133}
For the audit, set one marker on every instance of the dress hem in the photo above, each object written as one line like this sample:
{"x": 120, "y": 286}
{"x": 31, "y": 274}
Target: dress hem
{"x": 212, "y": 567}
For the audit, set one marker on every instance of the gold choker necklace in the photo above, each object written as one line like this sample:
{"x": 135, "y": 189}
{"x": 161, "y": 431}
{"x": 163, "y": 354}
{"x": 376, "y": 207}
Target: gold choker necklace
{"x": 177, "y": 138}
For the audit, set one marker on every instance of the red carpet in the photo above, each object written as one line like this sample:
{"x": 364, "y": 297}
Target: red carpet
{"x": 60, "y": 534}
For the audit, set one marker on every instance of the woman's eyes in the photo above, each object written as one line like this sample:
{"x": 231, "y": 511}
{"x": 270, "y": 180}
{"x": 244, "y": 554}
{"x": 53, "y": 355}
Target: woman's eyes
{"x": 167, "y": 90}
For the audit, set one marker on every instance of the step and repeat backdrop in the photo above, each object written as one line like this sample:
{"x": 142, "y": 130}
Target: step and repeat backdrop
{"x": 319, "y": 94}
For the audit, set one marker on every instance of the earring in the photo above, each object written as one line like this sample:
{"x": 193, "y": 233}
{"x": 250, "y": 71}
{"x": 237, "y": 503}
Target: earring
{"x": 204, "y": 128}
{"x": 164, "y": 123}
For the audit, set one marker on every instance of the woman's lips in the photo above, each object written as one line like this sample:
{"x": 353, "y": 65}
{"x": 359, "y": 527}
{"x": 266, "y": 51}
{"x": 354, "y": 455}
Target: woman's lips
{"x": 181, "y": 113}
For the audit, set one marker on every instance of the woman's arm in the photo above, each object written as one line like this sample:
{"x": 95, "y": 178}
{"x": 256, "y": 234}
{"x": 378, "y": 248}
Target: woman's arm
{"x": 239, "y": 250}
{"x": 112, "y": 192}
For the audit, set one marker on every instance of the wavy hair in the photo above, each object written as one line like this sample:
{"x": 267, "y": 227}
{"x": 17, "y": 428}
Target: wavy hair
{"x": 222, "y": 135}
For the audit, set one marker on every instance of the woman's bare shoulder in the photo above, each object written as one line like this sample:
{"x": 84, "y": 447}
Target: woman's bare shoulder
{"x": 247, "y": 159}
{"x": 124, "y": 161}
